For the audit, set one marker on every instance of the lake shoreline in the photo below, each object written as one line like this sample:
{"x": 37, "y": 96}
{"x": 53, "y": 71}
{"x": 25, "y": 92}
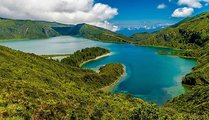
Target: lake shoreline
{"x": 109, "y": 88}
{"x": 97, "y": 58}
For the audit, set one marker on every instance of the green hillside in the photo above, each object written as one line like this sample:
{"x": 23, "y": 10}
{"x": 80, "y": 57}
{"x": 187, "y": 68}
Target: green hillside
{"x": 192, "y": 35}
{"x": 27, "y": 29}
{"x": 34, "y": 87}
{"x": 93, "y": 33}
{"x": 189, "y": 33}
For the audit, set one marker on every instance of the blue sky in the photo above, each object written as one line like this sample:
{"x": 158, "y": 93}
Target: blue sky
{"x": 109, "y": 14}
{"x": 146, "y": 11}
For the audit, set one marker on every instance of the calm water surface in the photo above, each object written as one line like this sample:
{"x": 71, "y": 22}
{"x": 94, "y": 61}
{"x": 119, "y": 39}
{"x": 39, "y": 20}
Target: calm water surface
{"x": 150, "y": 76}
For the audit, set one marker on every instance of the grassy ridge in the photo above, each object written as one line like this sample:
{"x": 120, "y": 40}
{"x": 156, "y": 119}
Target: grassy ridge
{"x": 27, "y": 29}
{"x": 93, "y": 33}
{"x": 188, "y": 34}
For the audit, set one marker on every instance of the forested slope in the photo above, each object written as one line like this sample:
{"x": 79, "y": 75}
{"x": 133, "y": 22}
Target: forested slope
{"x": 191, "y": 35}
{"x": 188, "y": 34}
{"x": 28, "y": 29}
{"x": 34, "y": 87}
{"x": 93, "y": 33}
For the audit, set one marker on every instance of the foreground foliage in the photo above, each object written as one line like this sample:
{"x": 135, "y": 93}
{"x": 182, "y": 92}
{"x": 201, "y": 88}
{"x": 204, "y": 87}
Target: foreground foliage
{"x": 192, "y": 35}
{"x": 34, "y": 87}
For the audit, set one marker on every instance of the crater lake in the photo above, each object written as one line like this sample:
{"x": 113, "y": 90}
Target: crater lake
{"x": 149, "y": 76}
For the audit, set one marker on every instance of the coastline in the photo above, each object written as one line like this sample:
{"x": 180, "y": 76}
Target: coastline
{"x": 99, "y": 57}
{"x": 110, "y": 87}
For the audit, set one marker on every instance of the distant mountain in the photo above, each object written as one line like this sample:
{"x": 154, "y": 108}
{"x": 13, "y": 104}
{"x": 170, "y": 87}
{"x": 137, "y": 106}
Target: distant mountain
{"x": 27, "y": 29}
{"x": 189, "y": 33}
{"x": 129, "y": 31}
{"x": 92, "y": 32}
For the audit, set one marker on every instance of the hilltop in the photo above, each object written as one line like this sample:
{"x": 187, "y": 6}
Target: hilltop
{"x": 28, "y": 29}
{"x": 92, "y": 32}
{"x": 190, "y": 33}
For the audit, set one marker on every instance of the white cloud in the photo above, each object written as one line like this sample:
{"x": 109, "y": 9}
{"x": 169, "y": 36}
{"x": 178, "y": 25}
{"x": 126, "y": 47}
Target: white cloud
{"x": 183, "y": 12}
{"x": 192, "y": 3}
{"x": 187, "y": 11}
{"x": 161, "y": 6}
{"x": 63, "y": 11}
{"x": 206, "y": 2}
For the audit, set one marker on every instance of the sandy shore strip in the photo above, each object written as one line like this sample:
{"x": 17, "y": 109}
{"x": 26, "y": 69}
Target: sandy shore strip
{"x": 110, "y": 87}
{"x": 99, "y": 57}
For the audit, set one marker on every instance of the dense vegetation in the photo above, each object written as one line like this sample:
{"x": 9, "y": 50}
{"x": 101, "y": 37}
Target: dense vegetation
{"x": 188, "y": 34}
{"x": 83, "y": 55}
{"x": 27, "y": 29}
{"x": 34, "y": 87}
{"x": 93, "y": 33}
{"x": 192, "y": 35}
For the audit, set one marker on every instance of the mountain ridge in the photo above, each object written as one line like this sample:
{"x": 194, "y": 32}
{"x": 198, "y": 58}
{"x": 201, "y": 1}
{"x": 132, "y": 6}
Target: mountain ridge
{"x": 189, "y": 33}
{"x": 29, "y": 29}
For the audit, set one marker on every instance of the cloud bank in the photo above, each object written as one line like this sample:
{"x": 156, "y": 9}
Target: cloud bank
{"x": 63, "y": 11}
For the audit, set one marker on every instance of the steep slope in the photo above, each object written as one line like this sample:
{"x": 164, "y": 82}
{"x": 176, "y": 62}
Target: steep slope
{"x": 92, "y": 32}
{"x": 27, "y": 29}
{"x": 34, "y": 87}
{"x": 193, "y": 34}
{"x": 194, "y": 104}
{"x": 189, "y": 33}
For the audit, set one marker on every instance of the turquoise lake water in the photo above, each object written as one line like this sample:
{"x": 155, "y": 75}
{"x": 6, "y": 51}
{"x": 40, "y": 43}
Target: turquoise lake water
{"x": 149, "y": 76}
